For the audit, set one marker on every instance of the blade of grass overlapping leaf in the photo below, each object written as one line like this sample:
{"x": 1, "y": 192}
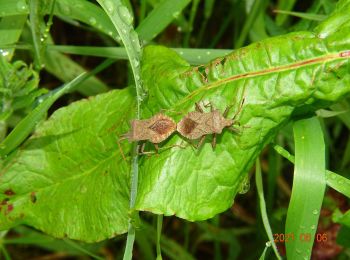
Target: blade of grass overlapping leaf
{"x": 265, "y": 220}
{"x": 160, "y": 17}
{"x": 122, "y": 21}
{"x": 309, "y": 185}
{"x": 334, "y": 180}
{"x": 27, "y": 124}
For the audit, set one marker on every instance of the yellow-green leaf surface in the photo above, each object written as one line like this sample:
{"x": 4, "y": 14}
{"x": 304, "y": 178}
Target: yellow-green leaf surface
{"x": 69, "y": 179}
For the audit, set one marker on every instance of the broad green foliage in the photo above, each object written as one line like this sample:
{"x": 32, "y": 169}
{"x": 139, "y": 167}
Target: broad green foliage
{"x": 71, "y": 172}
{"x": 278, "y": 77}
{"x": 69, "y": 178}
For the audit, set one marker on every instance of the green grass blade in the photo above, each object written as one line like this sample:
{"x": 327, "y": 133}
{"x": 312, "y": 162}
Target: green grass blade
{"x": 159, "y": 234}
{"x": 260, "y": 190}
{"x": 35, "y": 27}
{"x": 253, "y": 14}
{"x": 191, "y": 55}
{"x": 82, "y": 249}
{"x": 335, "y": 181}
{"x": 284, "y": 5}
{"x": 160, "y": 17}
{"x": 309, "y": 184}
{"x": 193, "y": 14}
{"x": 308, "y": 16}
{"x": 122, "y": 20}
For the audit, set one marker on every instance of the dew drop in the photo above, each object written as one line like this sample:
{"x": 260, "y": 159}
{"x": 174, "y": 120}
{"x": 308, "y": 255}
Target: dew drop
{"x": 21, "y": 6}
{"x": 315, "y": 212}
{"x": 199, "y": 57}
{"x": 179, "y": 29}
{"x": 4, "y": 53}
{"x": 313, "y": 227}
{"x": 245, "y": 185}
{"x": 298, "y": 251}
{"x": 65, "y": 9}
{"x": 110, "y": 33}
{"x": 208, "y": 52}
{"x": 176, "y": 15}
{"x": 125, "y": 14}
{"x": 136, "y": 62}
{"x": 109, "y": 6}
{"x": 181, "y": 53}
{"x": 83, "y": 189}
{"x": 268, "y": 244}
{"x": 340, "y": 181}
{"x": 92, "y": 20}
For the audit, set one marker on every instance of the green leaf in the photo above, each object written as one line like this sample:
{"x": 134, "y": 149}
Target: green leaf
{"x": 279, "y": 77}
{"x": 309, "y": 178}
{"x": 160, "y": 17}
{"x": 70, "y": 177}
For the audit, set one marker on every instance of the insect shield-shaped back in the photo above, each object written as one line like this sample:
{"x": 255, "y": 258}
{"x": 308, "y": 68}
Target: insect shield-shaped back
{"x": 198, "y": 124}
{"x": 155, "y": 129}
{"x": 161, "y": 127}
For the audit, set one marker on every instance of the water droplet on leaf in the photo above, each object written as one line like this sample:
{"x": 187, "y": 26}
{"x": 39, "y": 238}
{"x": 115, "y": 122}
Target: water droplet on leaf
{"x": 92, "y": 21}
{"x": 125, "y": 14}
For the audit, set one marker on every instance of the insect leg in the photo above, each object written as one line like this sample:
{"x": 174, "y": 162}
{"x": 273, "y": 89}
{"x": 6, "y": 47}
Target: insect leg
{"x": 198, "y": 108}
{"x": 213, "y": 143}
{"x": 226, "y": 111}
{"x": 200, "y": 142}
{"x": 209, "y": 104}
{"x": 121, "y": 149}
{"x": 156, "y": 147}
{"x": 239, "y": 109}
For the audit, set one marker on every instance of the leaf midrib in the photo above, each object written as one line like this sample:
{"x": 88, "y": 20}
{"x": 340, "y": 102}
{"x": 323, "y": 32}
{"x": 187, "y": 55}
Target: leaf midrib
{"x": 292, "y": 66}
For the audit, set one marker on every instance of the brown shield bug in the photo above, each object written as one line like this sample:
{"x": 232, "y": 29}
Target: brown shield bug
{"x": 197, "y": 124}
{"x": 155, "y": 129}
